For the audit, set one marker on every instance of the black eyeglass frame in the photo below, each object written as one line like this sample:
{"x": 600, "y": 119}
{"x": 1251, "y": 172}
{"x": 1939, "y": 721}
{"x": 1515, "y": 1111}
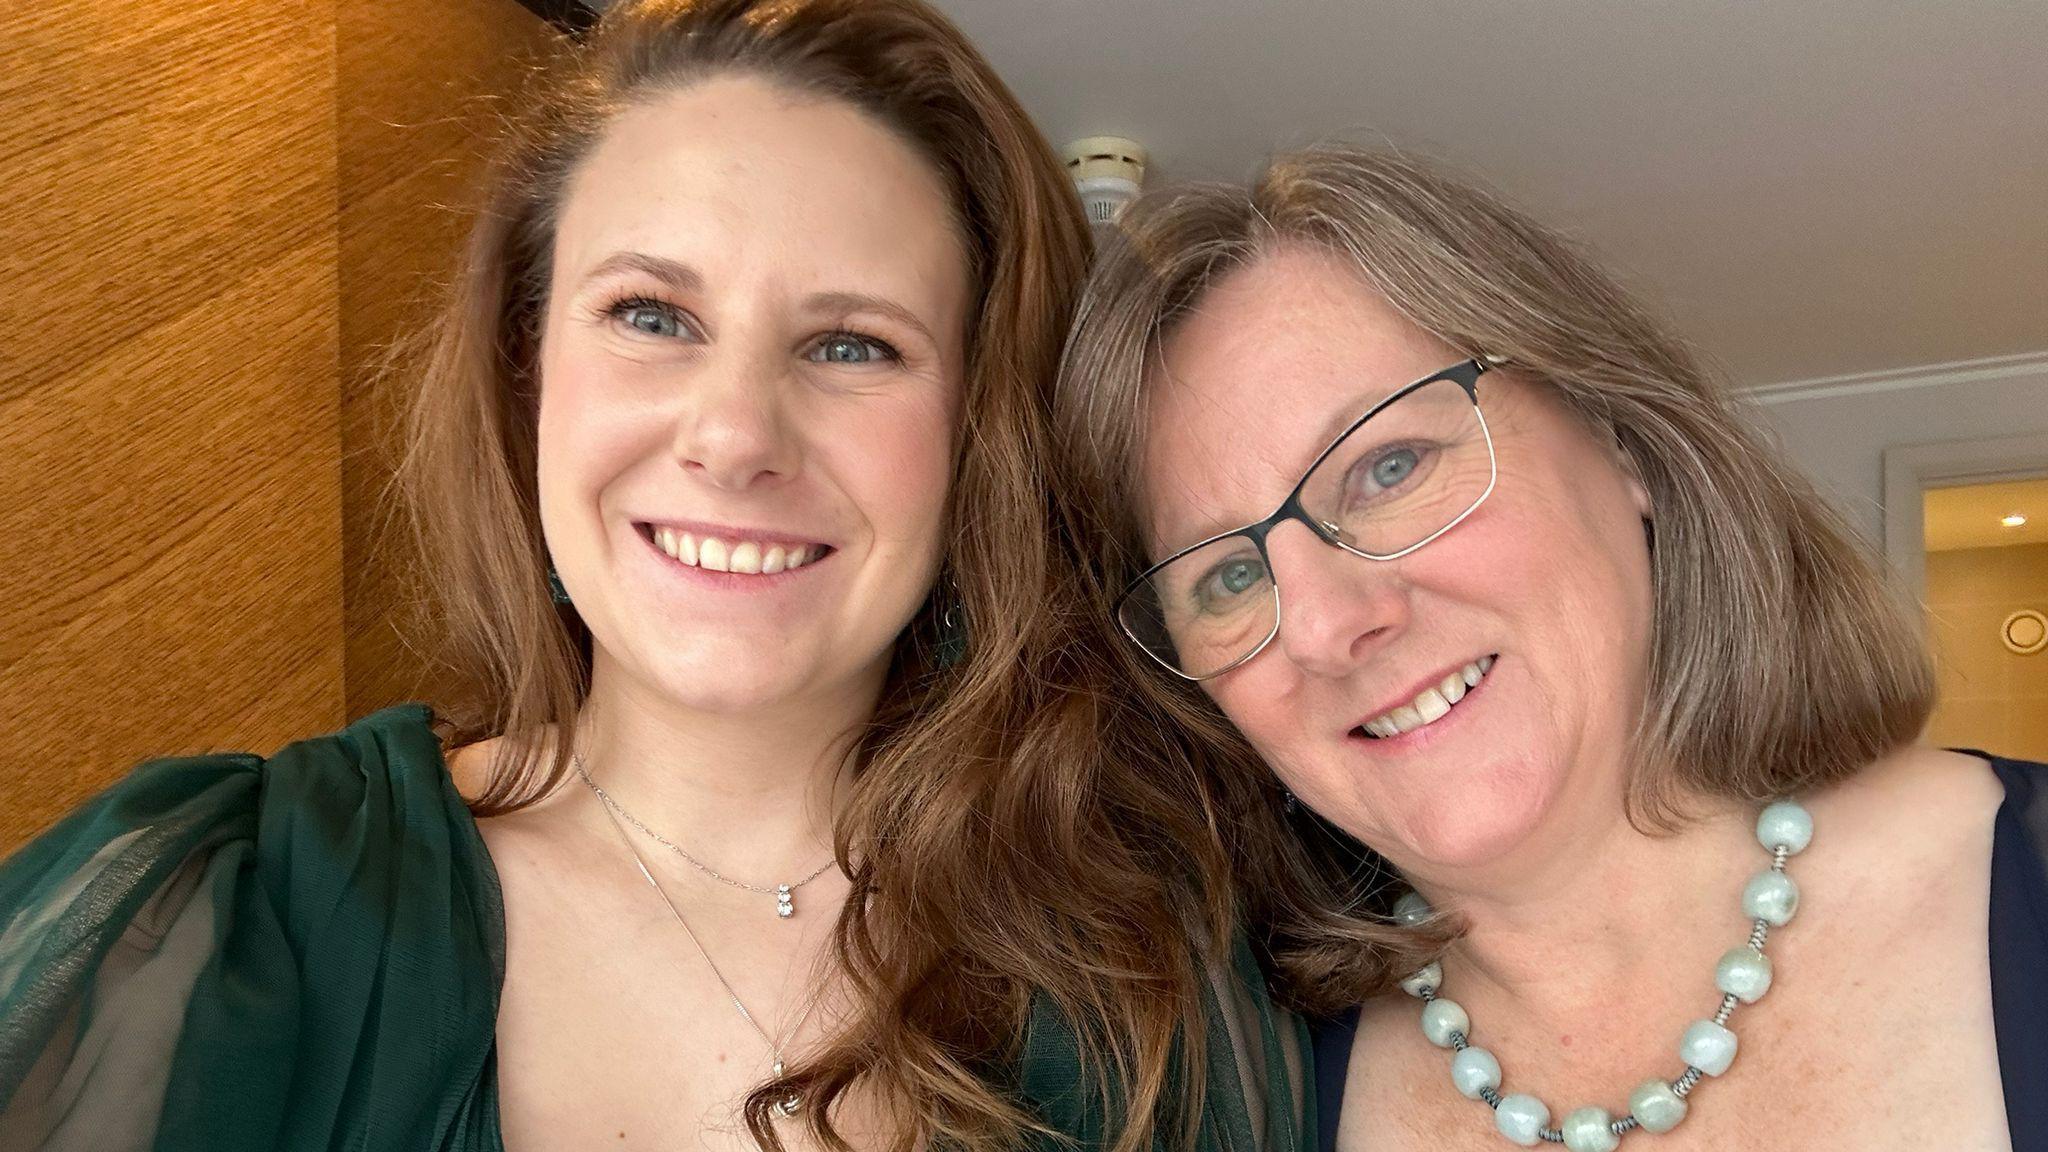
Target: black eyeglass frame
{"x": 1465, "y": 374}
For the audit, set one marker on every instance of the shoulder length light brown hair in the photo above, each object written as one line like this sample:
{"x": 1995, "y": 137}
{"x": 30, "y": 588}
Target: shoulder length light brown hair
{"x": 994, "y": 867}
{"x": 1780, "y": 660}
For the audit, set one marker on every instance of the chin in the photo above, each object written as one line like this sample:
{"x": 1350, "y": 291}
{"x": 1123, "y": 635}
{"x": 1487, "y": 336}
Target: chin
{"x": 730, "y": 677}
{"x": 1480, "y": 820}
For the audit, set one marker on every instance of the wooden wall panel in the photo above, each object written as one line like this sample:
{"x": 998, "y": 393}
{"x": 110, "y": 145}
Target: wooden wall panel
{"x": 170, "y": 492}
{"x": 422, "y": 92}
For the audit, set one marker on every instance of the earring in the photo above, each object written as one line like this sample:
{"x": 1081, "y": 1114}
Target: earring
{"x": 952, "y": 645}
{"x": 556, "y": 592}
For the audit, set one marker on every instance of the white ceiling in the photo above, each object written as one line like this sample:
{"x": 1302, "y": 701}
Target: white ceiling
{"x": 1809, "y": 187}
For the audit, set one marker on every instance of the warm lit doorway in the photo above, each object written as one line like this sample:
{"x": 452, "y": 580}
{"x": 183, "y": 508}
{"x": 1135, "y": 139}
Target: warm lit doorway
{"x": 1986, "y": 596}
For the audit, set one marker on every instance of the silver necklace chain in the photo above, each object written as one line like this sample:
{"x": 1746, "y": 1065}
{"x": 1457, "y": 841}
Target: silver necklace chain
{"x": 785, "y": 894}
{"x": 775, "y": 1044}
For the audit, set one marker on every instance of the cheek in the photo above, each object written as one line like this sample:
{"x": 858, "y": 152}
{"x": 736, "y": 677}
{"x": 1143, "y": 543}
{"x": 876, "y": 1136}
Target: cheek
{"x": 1263, "y": 711}
{"x": 895, "y": 461}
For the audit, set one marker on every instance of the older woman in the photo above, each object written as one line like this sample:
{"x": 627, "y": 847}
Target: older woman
{"x": 774, "y": 814}
{"x": 1390, "y": 489}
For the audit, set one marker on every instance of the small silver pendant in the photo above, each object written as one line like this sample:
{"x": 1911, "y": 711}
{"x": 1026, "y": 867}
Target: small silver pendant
{"x": 785, "y": 902}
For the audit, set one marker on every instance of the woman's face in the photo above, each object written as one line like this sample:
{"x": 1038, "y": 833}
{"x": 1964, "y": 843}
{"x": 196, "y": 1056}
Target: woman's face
{"x": 1549, "y": 576}
{"x": 751, "y": 369}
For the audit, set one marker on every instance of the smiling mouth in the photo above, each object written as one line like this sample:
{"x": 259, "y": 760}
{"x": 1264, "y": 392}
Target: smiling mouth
{"x": 746, "y": 556}
{"x": 1429, "y": 705}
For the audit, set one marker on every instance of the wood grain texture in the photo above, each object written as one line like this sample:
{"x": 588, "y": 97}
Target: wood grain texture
{"x": 170, "y": 496}
{"x": 421, "y": 98}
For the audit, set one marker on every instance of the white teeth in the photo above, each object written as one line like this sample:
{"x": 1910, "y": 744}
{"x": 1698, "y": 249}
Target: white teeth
{"x": 713, "y": 555}
{"x": 1432, "y": 703}
{"x": 1453, "y": 687}
{"x": 747, "y": 557}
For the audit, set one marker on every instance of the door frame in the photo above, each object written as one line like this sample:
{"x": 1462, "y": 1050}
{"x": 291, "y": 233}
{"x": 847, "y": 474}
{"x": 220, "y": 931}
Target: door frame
{"x": 1911, "y": 469}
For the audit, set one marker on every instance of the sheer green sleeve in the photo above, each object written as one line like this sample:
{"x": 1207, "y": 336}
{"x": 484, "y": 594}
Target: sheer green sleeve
{"x": 1257, "y": 1086}
{"x": 232, "y": 954}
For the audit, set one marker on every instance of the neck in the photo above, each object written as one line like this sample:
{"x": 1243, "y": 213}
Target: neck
{"x": 753, "y": 793}
{"x": 1593, "y": 914}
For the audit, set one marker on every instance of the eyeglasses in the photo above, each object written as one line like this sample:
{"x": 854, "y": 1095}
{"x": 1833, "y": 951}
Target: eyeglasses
{"x": 1402, "y": 475}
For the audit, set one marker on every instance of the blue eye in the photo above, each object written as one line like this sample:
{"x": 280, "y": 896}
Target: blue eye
{"x": 648, "y": 317}
{"x": 1228, "y": 581}
{"x": 1389, "y": 470}
{"x": 851, "y": 348}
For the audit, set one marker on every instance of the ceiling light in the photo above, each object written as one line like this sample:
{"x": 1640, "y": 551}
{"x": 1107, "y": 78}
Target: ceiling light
{"x": 2013, "y": 521}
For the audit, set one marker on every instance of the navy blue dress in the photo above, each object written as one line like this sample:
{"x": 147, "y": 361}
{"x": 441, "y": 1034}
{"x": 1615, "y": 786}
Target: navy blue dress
{"x": 2019, "y": 968}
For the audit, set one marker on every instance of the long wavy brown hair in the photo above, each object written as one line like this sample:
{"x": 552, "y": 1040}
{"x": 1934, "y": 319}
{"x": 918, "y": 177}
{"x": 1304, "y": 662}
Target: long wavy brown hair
{"x": 998, "y": 871}
{"x": 1780, "y": 659}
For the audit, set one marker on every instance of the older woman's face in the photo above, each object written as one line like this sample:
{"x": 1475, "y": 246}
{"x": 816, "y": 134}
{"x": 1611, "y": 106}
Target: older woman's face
{"x": 751, "y": 368}
{"x": 1549, "y": 577}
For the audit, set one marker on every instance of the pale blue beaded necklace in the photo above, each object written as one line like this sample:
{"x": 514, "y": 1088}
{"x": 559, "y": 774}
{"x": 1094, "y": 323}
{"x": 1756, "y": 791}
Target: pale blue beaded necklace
{"x": 1707, "y": 1048}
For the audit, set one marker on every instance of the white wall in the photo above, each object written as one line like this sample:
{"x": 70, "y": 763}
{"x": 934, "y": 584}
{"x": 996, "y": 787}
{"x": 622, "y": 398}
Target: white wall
{"x": 1838, "y": 429}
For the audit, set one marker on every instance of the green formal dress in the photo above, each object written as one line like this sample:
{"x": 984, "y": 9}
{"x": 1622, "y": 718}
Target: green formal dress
{"x": 231, "y": 954}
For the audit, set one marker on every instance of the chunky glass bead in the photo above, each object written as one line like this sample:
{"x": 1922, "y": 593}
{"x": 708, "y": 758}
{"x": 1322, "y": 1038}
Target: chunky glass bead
{"x": 1473, "y": 1071}
{"x": 1430, "y": 977}
{"x": 1743, "y": 973}
{"x": 1772, "y": 897}
{"x": 1784, "y": 825}
{"x": 1440, "y": 1018}
{"x": 1411, "y": 908}
{"x": 1589, "y": 1130}
{"x": 1708, "y": 1047}
{"x": 1655, "y": 1106}
{"x": 1521, "y": 1118}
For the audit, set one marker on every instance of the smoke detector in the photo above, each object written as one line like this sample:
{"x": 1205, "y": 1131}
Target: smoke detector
{"x": 1108, "y": 172}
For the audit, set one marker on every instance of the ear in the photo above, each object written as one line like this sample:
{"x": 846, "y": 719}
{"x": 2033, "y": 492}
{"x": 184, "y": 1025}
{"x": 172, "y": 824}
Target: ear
{"x": 1638, "y": 492}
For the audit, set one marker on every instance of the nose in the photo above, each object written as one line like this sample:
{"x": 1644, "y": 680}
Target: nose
{"x": 1336, "y": 609}
{"x": 732, "y": 430}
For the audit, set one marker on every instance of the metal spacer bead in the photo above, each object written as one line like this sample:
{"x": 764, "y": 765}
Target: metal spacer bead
{"x": 1684, "y": 1083}
{"x": 1551, "y": 1135}
{"x": 1620, "y": 1127}
{"x": 1727, "y": 1009}
{"x": 1760, "y": 933}
{"x": 1491, "y": 1097}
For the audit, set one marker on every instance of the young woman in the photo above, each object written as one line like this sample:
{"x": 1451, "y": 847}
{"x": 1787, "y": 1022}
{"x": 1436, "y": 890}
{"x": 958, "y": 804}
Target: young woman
{"x": 777, "y": 814}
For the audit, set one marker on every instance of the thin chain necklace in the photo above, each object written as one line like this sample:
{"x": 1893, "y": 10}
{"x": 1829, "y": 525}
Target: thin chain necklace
{"x": 785, "y": 894}
{"x": 1707, "y": 1048}
{"x": 790, "y": 1105}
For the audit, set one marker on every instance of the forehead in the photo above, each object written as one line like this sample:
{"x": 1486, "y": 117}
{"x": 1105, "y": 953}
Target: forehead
{"x": 1271, "y": 362}
{"x": 737, "y": 173}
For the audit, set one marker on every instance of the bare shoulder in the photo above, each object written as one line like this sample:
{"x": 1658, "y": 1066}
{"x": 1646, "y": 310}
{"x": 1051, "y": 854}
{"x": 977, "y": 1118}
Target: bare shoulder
{"x": 1931, "y": 787}
{"x": 470, "y": 767}
{"x": 1919, "y": 817}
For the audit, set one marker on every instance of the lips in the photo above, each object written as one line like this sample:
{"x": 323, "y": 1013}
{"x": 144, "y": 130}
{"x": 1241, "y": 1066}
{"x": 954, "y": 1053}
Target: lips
{"x": 1430, "y": 705}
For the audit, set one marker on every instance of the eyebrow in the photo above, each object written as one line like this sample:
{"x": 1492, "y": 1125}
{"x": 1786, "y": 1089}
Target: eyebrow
{"x": 673, "y": 273}
{"x": 845, "y": 302}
